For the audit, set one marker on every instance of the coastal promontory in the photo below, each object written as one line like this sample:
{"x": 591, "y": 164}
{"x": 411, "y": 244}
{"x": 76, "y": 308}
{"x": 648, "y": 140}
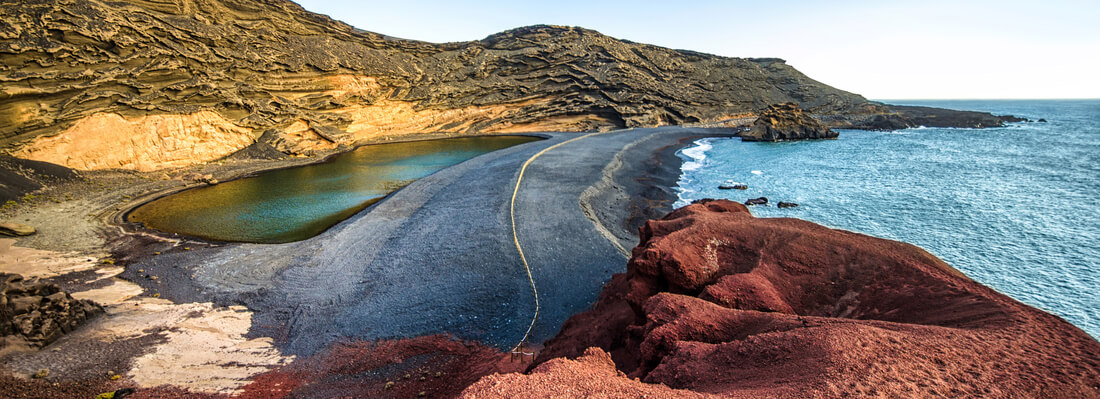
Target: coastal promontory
{"x": 718, "y": 302}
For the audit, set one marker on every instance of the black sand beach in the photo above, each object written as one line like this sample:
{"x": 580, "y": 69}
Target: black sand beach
{"x": 437, "y": 256}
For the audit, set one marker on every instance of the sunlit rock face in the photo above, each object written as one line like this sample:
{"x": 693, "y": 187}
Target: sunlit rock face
{"x": 108, "y": 141}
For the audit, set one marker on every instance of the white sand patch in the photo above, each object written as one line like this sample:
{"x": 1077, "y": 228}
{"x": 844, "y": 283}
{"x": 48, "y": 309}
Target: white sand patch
{"x": 32, "y": 263}
{"x": 206, "y": 350}
{"x": 118, "y": 291}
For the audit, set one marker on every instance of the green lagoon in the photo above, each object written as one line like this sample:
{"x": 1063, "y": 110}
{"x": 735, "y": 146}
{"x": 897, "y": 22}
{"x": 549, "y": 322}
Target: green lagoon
{"x": 297, "y": 203}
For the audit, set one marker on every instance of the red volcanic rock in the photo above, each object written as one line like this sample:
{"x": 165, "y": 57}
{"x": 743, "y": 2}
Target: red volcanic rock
{"x": 715, "y": 301}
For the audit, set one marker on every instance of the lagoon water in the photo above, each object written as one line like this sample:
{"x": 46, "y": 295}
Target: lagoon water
{"x": 297, "y": 203}
{"x": 1015, "y": 208}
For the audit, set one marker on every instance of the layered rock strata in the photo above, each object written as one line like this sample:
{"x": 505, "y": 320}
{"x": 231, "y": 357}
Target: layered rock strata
{"x": 718, "y": 302}
{"x": 135, "y": 84}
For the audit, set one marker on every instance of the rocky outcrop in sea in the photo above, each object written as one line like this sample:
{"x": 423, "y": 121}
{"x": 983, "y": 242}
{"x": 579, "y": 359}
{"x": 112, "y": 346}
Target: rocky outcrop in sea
{"x": 786, "y": 121}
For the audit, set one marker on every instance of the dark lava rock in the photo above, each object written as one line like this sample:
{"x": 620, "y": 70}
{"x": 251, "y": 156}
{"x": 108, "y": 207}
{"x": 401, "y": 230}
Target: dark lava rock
{"x": 782, "y": 204}
{"x": 905, "y": 116}
{"x": 1041, "y": 120}
{"x": 733, "y": 187}
{"x": 786, "y": 121}
{"x": 757, "y": 201}
{"x": 35, "y": 314}
{"x": 716, "y": 301}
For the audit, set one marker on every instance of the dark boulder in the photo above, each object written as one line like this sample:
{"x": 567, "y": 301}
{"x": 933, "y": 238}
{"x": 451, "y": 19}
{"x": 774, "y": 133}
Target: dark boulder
{"x": 782, "y": 204}
{"x": 733, "y": 187}
{"x": 757, "y": 201}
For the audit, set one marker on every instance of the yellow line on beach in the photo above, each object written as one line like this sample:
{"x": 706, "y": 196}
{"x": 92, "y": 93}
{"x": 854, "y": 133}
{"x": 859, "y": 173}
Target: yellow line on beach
{"x": 515, "y": 236}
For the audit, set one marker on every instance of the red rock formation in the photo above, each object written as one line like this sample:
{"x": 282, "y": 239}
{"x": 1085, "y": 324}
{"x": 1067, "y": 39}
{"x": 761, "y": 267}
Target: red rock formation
{"x": 718, "y": 302}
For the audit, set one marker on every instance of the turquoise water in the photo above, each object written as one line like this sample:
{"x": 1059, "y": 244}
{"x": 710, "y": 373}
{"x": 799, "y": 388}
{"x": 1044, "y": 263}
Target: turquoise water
{"x": 297, "y": 203}
{"x": 1015, "y": 208}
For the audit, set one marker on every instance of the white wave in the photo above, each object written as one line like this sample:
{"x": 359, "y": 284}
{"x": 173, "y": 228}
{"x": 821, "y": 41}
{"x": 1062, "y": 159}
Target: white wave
{"x": 757, "y": 172}
{"x": 696, "y": 156}
{"x": 694, "y": 159}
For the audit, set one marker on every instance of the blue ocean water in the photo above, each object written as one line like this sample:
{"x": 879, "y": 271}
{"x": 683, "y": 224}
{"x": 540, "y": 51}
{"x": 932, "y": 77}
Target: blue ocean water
{"x": 1015, "y": 208}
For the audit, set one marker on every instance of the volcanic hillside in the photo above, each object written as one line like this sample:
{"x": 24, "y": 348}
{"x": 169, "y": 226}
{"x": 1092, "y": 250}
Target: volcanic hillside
{"x": 145, "y": 85}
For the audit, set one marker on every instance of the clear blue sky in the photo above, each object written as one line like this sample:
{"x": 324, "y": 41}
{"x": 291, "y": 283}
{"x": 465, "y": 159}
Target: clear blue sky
{"x": 881, "y": 49}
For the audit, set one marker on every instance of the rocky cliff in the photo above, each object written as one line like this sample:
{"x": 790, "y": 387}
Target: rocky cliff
{"x": 717, "y": 302}
{"x": 145, "y": 85}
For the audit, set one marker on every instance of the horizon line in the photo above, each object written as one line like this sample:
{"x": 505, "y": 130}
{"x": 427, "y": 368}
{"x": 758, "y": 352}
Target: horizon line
{"x": 981, "y": 98}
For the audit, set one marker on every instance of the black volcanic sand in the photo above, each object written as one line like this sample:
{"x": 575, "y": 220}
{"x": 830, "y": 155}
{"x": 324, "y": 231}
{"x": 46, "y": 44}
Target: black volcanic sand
{"x": 437, "y": 256}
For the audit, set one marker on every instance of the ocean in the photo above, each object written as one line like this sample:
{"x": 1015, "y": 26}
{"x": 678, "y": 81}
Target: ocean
{"x": 1015, "y": 208}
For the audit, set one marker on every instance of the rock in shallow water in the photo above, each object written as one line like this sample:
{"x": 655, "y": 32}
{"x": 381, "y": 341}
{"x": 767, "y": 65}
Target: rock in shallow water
{"x": 757, "y": 201}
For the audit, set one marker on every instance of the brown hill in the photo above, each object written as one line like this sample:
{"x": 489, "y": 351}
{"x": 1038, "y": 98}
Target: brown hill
{"x": 144, "y": 85}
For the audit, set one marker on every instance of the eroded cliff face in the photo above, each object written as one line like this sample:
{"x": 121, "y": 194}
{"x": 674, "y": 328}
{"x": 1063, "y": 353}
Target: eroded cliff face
{"x": 146, "y": 143}
{"x": 72, "y": 70}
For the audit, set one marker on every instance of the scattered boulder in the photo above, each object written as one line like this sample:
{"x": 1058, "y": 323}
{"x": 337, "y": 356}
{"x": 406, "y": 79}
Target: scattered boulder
{"x": 786, "y": 121}
{"x": 16, "y": 229}
{"x": 35, "y": 314}
{"x": 1041, "y": 120}
{"x": 782, "y": 204}
{"x": 757, "y": 201}
{"x": 733, "y": 187}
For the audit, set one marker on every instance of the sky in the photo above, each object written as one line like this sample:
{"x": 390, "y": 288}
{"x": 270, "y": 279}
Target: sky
{"x": 972, "y": 49}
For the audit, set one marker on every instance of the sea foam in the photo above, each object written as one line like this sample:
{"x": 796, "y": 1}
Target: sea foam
{"x": 694, "y": 158}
